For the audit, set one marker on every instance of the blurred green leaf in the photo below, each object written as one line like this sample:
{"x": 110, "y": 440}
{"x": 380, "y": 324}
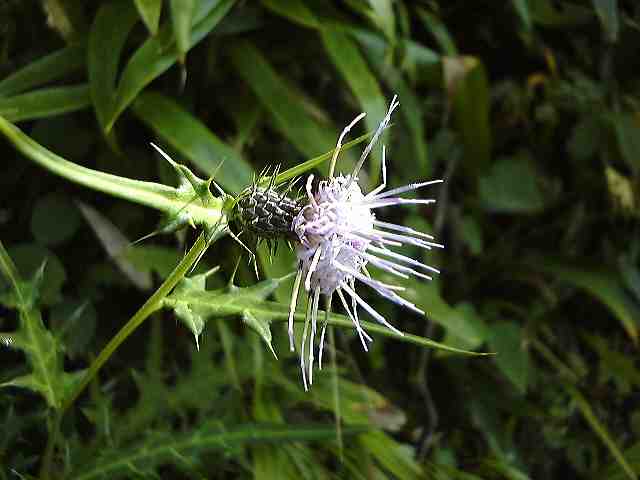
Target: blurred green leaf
{"x": 471, "y": 234}
{"x": 591, "y": 418}
{"x": 510, "y": 186}
{"x": 391, "y": 456}
{"x": 111, "y": 27}
{"x": 511, "y": 356}
{"x": 467, "y": 85}
{"x": 74, "y": 324}
{"x": 149, "y": 11}
{"x": 45, "y": 102}
{"x": 585, "y": 138}
{"x": 157, "y": 448}
{"x": 51, "y": 67}
{"x": 615, "y": 471}
{"x": 551, "y": 14}
{"x": 192, "y": 139}
{"x": 54, "y": 219}
{"x": 439, "y": 31}
{"x": 607, "y": 11}
{"x": 522, "y": 9}
{"x": 614, "y": 365}
{"x": 603, "y": 285}
{"x": 295, "y": 10}
{"x": 348, "y": 60}
{"x": 160, "y": 52}
{"x": 65, "y": 16}
{"x": 627, "y": 129}
{"x": 182, "y": 17}
{"x": 463, "y": 326}
{"x": 411, "y": 110}
{"x": 318, "y": 161}
{"x": 305, "y": 132}
{"x": 115, "y": 243}
{"x": 42, "y": 350}
{"x": 380, "y": 13}
{"x": 154, "y": 258}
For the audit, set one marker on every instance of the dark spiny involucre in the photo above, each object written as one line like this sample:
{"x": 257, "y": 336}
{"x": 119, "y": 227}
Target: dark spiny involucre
{"x": 267, "y": 213}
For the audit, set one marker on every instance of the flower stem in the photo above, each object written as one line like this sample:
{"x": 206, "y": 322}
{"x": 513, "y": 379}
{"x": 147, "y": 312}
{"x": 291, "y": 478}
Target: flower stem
{"x": 153, "y": 304}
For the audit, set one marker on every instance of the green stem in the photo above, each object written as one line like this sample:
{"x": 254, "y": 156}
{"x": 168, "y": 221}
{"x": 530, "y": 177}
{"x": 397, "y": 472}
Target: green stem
{"x": 151, "y": 305}
{"x": 207, "y": 212}
{"x": 147, "y": 193}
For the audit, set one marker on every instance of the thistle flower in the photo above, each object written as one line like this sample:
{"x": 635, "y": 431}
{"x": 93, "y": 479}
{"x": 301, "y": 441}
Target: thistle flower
{"x": 338, "y": 235}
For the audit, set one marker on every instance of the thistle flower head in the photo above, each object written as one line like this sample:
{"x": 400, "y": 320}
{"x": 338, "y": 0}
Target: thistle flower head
{"x": 338, "y": 235}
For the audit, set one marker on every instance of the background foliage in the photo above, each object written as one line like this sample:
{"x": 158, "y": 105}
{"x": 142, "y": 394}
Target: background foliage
{"x": 529, "y": 109}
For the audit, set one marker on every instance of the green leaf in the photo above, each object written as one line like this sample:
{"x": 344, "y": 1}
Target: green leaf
{"x": 603, "y": 285}
{"x": 74, "y": 324}
{"x": 65, "y": 16}
{"x": 158, "y": 448}
{"x": 346, "y": 57}
{"x": 627, "y": 130}
{"x": 54, "y": 219}
{"x": 149, "y": 11}
{"x": 259, "y": 326}
{"x": 510, "y": 186}
{"x": 383, "y": 16}
{"x": 196, "y": 305}
{"x": 522, "y": 9}
{"x": 551, "y": 14}
{"x": 317, "y": 161}
{"x": 615, "y": 471}
{"x": 615, "y": 366}
{"x": 464, "y": 328}
{"x": 181, "y": 19}
{"x": 54, "y": 66}
{"x": 46, "y": 102}
{"x": 160, "y": 52}
{"x": 467, "y": 85}
{"x": 115, "y": 243}
{"x": 410, "y": 105}
{"x": 111, "y": 27}
{"x": 154, "y": 258}
{"x": 511, "y": 356}
{"x": 471, "y": 234}
{"x": 439, "y": 31}
{"x": 198, "y": 207}
{"x": 295, "y": 10}
{"x": 42, "y": 350}
{"x": 192, "y": 139}
{"x": 607, "y": 11}
{"x": 29, "y": 258}
{"x": 305, "y": 132}
{"x": 600, "y": 430}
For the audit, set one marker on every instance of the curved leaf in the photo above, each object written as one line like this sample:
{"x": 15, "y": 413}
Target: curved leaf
{"x": 109, "y": 31}
{"x": 194, "y": 140}
{"x": 45, "y": 102}
{"x": 46, "y": 69}
{"x": 158, "y": 447}
{"x": 181, "y": 19}
{"x": 158, "y": 53}
{"x": 149, "y": 11}
{"x": 348, "y": 60}
{"x": 603, "y": 285}
{"x": 306, "y": 133}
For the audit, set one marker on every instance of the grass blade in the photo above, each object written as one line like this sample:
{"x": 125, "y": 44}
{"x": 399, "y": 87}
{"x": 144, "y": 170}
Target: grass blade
{"x": 46, "y": 102}
{"x": 194, "y": 140}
